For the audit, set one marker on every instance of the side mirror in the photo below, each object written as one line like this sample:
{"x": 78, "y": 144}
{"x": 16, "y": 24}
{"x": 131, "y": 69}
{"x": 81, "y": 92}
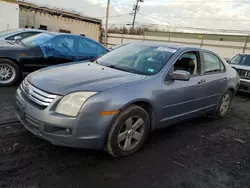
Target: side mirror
{"x": 180, "y": 75}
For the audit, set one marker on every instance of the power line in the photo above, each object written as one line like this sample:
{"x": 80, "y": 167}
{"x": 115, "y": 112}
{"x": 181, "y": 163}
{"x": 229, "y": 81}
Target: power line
{"x": 114, "y": 16}
{"x": 188, "y": 27}
{"x": 219, "y": 19}
{"x": 177, "y": 1}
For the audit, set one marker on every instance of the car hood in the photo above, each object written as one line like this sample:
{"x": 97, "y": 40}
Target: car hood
{"x": 80, "y": 76}
{"x": 243, "y": 67}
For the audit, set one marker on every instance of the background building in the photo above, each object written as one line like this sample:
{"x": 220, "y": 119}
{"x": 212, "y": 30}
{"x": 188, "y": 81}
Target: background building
{"x": 14, "y": 14}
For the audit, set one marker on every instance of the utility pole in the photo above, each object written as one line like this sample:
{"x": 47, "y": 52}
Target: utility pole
{"x": 106, "y": 24}
{"x": 135, "y": 9}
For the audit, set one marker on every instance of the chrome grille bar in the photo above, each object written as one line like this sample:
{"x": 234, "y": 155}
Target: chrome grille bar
{"x": 36, "y": 95}
{"x": 243, "y": 73}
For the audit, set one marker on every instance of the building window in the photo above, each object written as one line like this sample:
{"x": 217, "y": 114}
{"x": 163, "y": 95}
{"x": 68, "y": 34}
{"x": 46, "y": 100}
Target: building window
{"x": 64, "y": 31}
{"x": 43, "y": 27}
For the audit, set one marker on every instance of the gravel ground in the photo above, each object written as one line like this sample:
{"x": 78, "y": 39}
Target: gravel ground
{"x": 200, "y": 153}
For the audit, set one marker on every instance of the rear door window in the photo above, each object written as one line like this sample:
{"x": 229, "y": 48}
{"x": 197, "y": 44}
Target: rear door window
{"x": 212, "y": 64}
{"x": 86, "y": 47}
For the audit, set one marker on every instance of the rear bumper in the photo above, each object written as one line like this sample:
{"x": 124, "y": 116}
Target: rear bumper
{"x": 244, "y": 85}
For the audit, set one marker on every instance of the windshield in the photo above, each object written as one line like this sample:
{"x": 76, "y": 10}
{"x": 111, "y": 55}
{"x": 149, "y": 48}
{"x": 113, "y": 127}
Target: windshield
{"x": 37, "y": 40}
{"x": 241, "y": 60}
{"x": 138, "y": 58}
{"x": 8, "y": 32}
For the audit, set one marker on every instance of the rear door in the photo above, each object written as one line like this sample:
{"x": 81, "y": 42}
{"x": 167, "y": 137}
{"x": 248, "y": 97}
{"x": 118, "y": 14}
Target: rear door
{"x": 215, "y": 77}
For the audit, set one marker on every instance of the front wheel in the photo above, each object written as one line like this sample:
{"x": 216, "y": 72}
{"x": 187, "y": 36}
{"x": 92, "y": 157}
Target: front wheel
{"x": 224, "y": 104}
{"x": 128, "y": 132}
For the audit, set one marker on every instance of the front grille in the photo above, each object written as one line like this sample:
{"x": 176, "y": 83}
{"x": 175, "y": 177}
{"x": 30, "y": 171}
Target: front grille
{"x": 36, "y": 95}
{"x": 244, "y": 73}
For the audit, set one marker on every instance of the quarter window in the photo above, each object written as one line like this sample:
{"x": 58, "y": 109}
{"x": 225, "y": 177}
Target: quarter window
{"x": 212, "y": 63}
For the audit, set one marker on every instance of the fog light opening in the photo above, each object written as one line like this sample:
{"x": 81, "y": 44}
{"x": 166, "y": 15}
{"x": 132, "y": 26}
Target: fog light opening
{"x": 68, "y": 131}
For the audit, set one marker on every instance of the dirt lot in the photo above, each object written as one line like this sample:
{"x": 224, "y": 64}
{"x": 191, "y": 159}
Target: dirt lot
{"x": 199, "y": 153}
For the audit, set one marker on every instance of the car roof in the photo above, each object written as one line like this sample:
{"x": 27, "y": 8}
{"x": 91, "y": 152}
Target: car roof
{"x": 170, "y": 45}
{"x": 28, "y": 29}
{"x": 65, "y": 34}
{"x": 244, "y": 54}
{"x": 78, "y": 35}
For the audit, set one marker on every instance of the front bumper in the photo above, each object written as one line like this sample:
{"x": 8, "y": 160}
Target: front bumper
{"x": 87, "y": 130}
{"x": 244, "y": 85}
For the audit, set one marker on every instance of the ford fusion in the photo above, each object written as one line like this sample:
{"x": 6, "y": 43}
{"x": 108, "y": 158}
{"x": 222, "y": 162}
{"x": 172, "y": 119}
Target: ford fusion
{"x": 116, "y": 101}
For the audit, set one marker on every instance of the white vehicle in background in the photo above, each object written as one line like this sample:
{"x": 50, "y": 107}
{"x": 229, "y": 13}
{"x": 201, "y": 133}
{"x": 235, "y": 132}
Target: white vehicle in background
{"x": 18, "y": 34}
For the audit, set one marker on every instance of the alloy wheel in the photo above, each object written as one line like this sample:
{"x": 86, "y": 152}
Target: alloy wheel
{"x": 225, "y": 104}
{"x": 131, "y": 133}
{"x": 7, "y": 73}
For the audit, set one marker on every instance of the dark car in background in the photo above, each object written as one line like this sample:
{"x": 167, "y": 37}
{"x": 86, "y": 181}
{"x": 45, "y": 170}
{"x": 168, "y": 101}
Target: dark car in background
{"x": 18, "y": 34}
{"x": 42, "y": 50}
{"x": 241, "y": 62}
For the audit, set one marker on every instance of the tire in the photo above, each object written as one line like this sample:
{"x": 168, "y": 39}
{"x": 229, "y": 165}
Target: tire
{"x": 8, "y": 68}
{"x": 222, "y": 108}
{"x": 137, "y": 135}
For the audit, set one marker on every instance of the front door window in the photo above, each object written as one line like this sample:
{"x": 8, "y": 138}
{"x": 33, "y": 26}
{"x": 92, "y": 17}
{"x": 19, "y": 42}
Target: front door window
{"x": 188, "y": 62}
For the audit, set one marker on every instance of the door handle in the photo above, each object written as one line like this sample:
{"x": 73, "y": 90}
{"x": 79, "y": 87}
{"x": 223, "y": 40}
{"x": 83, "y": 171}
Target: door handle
{"x": 224, "y": 79}
{"x": 202, "y": 82}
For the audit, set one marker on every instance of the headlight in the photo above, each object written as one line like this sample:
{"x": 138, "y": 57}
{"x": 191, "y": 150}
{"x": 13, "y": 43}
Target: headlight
{"x": 71, "y": 103}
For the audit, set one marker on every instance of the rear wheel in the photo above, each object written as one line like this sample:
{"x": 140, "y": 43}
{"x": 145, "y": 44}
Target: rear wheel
{"x": 9, "y": 72}
{"x": 224, "y": 104}
{"x": 129, "y": 132}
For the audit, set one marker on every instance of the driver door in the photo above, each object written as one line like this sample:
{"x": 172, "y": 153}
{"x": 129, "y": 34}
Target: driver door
{"x": 183, "y": 99}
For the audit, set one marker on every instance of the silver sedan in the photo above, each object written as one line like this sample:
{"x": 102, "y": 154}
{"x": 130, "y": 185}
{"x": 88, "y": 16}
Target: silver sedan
{"x": 116, "y": 101}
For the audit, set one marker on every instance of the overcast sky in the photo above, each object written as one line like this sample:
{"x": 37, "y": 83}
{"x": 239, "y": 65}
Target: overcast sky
{"x": 214, "y": 14}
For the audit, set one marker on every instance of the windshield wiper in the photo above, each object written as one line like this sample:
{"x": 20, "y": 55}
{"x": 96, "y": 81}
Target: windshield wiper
{"x": 126, "y": 70}
{"x": 115, "y": 67}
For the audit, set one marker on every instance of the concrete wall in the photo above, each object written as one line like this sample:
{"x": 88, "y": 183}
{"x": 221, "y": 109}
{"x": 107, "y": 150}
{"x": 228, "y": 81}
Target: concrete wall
{"x": 10, "y": 21}
{"x": 225, "y": 45}
{"x": 55, "y": 23}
